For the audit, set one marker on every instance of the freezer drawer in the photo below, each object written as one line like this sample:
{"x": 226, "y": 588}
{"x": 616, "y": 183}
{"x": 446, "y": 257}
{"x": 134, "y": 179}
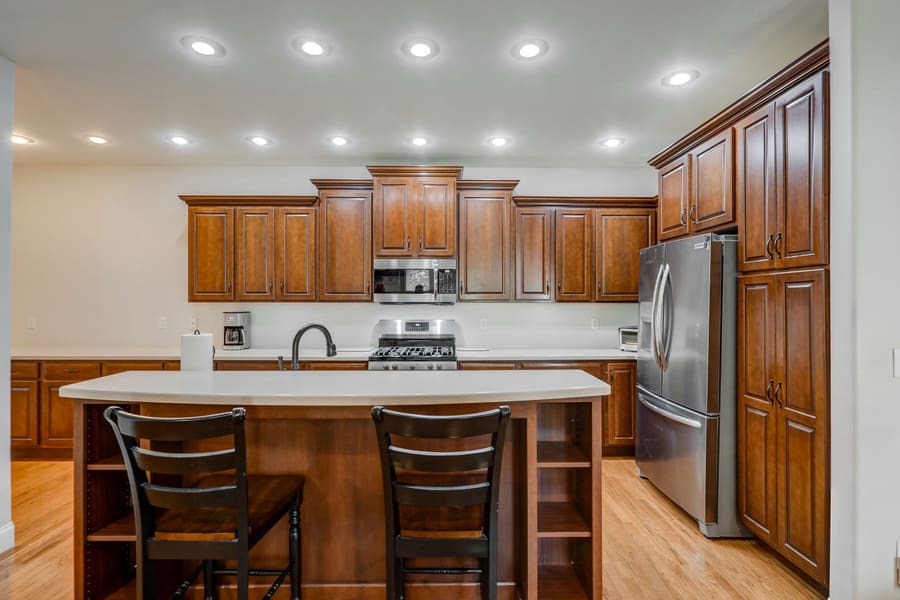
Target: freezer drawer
{"x": 677, "y": 451}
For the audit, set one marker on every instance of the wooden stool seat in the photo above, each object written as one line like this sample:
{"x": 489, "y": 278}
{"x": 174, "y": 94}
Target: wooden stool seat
{"x": 269, "y": 498}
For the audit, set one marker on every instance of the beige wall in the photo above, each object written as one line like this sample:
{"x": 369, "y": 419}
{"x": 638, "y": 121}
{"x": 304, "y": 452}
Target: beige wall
{"x": 100, "y": 254}
{"x": 7, "y": 75}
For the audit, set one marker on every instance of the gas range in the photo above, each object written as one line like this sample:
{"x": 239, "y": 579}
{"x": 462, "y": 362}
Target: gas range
{"x": 408, "y": 345}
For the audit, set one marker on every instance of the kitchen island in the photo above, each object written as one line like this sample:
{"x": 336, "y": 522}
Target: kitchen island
{"x": 319, "y": 424}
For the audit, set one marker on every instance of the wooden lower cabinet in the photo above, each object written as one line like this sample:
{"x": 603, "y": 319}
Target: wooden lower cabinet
{"x": 618, "y": 410}
{"x": 305, "y": 365}
{"x": 23, "y": 422}
{"x": 783, "y": 454}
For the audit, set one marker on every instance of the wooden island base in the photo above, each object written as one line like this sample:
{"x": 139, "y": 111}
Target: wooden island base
{"x": 549, "y": 534}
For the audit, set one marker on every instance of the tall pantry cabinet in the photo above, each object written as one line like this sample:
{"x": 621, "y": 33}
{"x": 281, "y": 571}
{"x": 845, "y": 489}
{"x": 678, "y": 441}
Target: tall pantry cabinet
{"x": 771, "y": 149}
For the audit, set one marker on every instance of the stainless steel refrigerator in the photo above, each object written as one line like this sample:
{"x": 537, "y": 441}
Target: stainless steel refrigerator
{"x": 686, "y": 421}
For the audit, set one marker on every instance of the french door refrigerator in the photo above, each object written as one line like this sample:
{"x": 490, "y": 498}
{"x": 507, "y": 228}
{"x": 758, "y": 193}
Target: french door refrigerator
{"x": 686, "y": 415}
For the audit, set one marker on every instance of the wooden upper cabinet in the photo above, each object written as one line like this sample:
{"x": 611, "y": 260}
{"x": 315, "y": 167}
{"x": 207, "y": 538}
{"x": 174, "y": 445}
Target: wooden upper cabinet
{"x": 755, "y": 189}
{"x": 394, "y": 216}
{"x": 345, "y": 245}
{"x": 574, "y": 255}
{"x": 484, "y": 245}
{"x": 620, "y": 234}
{"x": 534, "y": 251}
{"x": 255, "y": 244}
{"x": 674, "y": 198}
{"x": 800, "y": 159}
{"x": 712, "y": 199}
{"x": 295, "y": 254}
{"x": 414, "y": 211}
{"x": 436, "y": 216}
{"x": 210, "y": 253}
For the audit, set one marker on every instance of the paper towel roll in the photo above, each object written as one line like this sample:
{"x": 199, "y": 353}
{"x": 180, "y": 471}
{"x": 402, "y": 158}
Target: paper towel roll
{"x": 197, "y": 352}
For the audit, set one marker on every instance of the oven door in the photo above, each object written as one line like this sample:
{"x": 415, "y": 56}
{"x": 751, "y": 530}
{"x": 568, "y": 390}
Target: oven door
{"x": 414, "y": 281}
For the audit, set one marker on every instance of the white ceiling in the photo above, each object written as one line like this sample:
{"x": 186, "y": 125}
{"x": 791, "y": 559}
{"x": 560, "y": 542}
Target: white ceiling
{"x": 116, "y": 68}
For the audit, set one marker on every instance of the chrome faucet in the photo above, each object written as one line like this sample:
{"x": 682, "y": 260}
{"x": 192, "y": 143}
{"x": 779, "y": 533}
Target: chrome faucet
{"x": 330, "y": 348}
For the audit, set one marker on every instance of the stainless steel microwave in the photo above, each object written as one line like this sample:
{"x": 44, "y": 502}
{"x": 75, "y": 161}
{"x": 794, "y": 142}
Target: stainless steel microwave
{"x": 415, "y": 280}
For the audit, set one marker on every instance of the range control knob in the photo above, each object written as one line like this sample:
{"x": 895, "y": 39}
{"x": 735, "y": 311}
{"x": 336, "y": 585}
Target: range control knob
{"x": 439, "y": 367}
{"x": 394, "y": 367}
{"x": 412, "y": 367}
{"x": 385, "y": 367}
{"x": 430, "y": 367}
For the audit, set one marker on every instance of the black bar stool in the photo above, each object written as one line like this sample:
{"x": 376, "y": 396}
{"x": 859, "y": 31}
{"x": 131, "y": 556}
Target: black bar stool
{"x": 220, "y": 516}
{"x": 440, "y": 480}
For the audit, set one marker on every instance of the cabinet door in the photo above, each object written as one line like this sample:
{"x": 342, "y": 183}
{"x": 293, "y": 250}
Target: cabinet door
{"x": 619, "y": 421}
{"x": 210, "y": 254}
{"x": 757, "y": 372}
{"x": 801, "y": 395}
{"x": 800, "y": 159}
{"x": 435, "y": 203}
{"x": 335, "y": 365}
{"x": 620, "y": 235}
{"x": 534, "y": 268}
{"x": 345, "y": 246}
{"x": 56, "y": 416}
{"x": 394, "y": 216}
{"x": 484, "y": 245}
{"x": 111, "y": 367}
{"x": 295, "y": 254}
{"x": 23, "y": 421}
{"x": 674, "y": 192}
{"x": 595, "y": 368}
{"x": 255, "y": 243}
{"x": 712, "y": 205}
{"x": 574, "y": 255}
{"x": 755, "y": 183}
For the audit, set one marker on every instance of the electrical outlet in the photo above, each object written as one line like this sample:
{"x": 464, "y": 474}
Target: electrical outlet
{"x": 483, "y": 323}
{"x": 32, "y": 322}
{"x": 163, "y": 323}
{"x": 594, "y": 324}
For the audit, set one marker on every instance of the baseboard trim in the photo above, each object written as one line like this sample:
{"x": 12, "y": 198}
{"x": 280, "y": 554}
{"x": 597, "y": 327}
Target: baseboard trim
{"x": 7, "y": 536}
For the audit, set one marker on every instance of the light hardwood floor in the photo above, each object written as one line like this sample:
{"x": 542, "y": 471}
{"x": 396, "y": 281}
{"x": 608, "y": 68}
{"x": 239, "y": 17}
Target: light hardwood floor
{"x": 651, "y": 549}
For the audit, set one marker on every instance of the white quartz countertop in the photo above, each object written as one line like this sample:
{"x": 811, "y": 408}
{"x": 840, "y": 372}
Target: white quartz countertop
{"x": 324, "y": 388}
{"x": 344, "y": 354}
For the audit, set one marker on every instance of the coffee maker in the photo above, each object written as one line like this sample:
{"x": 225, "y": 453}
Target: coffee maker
{"x": 237, "y": 330}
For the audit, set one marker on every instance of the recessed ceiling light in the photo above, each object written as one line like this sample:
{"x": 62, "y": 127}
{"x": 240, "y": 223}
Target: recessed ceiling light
{"x": 311, "y": 47}
{"x": 420, "y": 48}
{"x": 260, "y": 140}
{"x": 96, "y": 139}
{"x": 20, "y": 139}
{"x": 498, "y": 141}
{"x": 179, "y": 140}
{"x": 203, "y": 46}
{"x": 530, "y": 49}
{"x": 613, "y": 142}
{"x": 680, "y": 78}
{"x": 339, "y": 140}
{"x": 419, "y": 141}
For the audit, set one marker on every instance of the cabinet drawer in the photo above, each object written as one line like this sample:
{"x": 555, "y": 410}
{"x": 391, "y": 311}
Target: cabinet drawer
{"x": 23, "y": 369}
{"x": 111, "y": 367}
{"x": 70, "y": 370}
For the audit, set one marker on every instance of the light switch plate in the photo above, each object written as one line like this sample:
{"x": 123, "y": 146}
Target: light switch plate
{"x": 897, "y": 362}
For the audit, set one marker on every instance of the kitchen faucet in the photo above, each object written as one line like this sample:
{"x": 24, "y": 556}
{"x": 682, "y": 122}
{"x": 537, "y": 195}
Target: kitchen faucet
{"x": 330, "y": 348}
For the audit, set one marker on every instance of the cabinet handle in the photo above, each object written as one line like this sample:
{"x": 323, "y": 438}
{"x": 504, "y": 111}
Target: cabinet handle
{"x": 20, "y": 389}
{"x": 420, "y": 243}
{"x": 228, "y": 286}
{"x": 693, "y": 213}
{"x": 559, "y": 286}
{"x": 777, "y": 395}
{"x": 270, "y": 287}
{"x": 281, "y": 285}
{"x": 768, "y": 249}
{"x": 769, "y": 391}
{"x": 681, "y": 217}
{"x": 775, "y": 244}
{"x": 408, "y": 243}
{"x": 461, "y": 286}
{"x": 548, "y": 287}
{"x": 367, "y": 288}
{"x": 71, "y": 370}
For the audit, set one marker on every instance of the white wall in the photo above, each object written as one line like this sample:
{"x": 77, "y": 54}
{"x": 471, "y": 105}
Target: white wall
{"x": 875, "y": 48}
{"x": 100, "y": 254}
{"x": 7, "y": 75}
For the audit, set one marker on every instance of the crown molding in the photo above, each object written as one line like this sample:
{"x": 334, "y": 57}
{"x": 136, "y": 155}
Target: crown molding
{"x": 487, "y": 184}
{"x": 414, "y": 170}
{"x": 587, "y": 201}
{"x": 342, "y": 184}
{"x": 249, "y": 200}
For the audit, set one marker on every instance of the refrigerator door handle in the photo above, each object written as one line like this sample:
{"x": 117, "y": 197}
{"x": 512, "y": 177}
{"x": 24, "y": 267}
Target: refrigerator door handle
{"x": 665, "y": 293}
{"x": 671, "y": 416}
{"x": 654, "y": 342}
{"x": 659, "y": 305}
